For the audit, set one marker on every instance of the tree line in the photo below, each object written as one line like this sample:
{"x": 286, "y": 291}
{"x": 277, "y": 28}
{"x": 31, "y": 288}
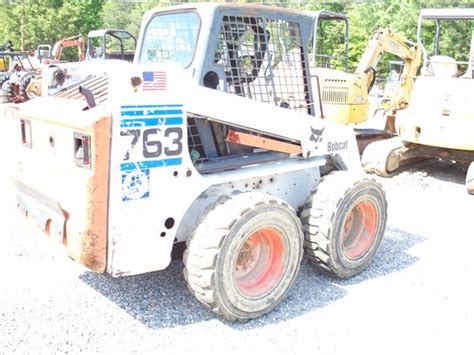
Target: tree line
{"x": 29, "y": 23}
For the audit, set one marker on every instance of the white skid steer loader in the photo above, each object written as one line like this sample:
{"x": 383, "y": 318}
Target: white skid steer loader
{"x": 210, "y": 138}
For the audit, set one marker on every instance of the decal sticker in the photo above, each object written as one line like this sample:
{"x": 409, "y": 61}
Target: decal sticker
{"x": 154, "y": 134}
{"x": 316, "y": 136}
{"x": 154, "y": 81}
{"x": 335, "y": 146}
{"x": 135, "y": 184}
{"x": 151, "y": 137}
{"x": 359, "y": 99}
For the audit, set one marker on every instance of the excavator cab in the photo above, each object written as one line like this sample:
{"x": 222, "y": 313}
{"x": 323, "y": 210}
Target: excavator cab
{"x": 435, "y": 30}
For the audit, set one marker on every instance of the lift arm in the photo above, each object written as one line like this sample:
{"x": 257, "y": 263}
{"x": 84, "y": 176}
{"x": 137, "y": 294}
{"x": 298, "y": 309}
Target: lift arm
{"x": 385, "y": 40}
{"x": 74, "y": 41}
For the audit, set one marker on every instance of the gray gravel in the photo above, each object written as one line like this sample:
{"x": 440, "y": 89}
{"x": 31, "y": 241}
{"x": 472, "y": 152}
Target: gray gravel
{"x": 416, "y": 297}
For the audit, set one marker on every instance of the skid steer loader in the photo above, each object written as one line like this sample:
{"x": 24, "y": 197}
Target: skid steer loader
{"x": 439, "y": 122}
{"x": 211, "y": 137}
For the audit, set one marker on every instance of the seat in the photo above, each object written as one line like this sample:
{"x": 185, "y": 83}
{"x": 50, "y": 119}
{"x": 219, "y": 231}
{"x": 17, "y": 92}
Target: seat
{"x": 443, "y": 66}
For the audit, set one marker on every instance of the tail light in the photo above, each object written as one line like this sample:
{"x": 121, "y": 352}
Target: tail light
{"x": 82, "y": 150}
{"x": 25, "y": 126}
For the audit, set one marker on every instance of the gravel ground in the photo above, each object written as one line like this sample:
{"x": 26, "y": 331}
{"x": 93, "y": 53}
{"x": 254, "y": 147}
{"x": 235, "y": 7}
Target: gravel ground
{"x": 415, "y": 298}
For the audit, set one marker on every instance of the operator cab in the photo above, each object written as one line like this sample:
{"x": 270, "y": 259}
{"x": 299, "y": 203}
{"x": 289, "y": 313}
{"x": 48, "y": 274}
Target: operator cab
{"x": 438, "y": 52}
{"x": 330, "y": 33}
{"x": 252, "y": 51}
{"x": 111, "y": 44}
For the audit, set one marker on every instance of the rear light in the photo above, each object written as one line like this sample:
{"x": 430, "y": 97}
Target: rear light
{"x": 82, "y": 150}
{"x": 25, "y": 126}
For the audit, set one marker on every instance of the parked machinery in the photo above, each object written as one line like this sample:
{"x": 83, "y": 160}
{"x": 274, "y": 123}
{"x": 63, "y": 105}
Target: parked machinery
{"x": 345, "y": 95}
{"x": 47, "y": 55}
{"x": 15, "y": 80}
{"x": 213, "y": 138}
{"x": 439, "y": 122}
{"x": 28, "y": 83}
{"x": 22, "y": 79}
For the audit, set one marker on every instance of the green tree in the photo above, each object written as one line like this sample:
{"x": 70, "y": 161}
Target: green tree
{"x": 28, "y": 23}
{"x": 127, "y": 15}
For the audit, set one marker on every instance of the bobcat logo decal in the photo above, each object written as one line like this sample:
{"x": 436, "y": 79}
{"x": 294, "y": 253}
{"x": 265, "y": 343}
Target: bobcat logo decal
{"x": 316, "y": 136}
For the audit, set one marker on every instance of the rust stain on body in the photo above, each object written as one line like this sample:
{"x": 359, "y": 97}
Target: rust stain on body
{"x": 81, "y": 193}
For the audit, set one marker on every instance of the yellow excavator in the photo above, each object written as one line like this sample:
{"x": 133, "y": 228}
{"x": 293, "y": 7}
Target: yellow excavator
{"x": 345, "y": 96}
{"x": 439, "y": 123}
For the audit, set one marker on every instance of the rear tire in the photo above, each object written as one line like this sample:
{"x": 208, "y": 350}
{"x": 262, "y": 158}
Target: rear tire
{"x": 344, "y": 222}
{"x": 244, "y": 255}
{"x": 4, "y": 77}
{"x": 25, "y": 81}
{"x": 470, "y": 179}
{"x": 12, "y": 91}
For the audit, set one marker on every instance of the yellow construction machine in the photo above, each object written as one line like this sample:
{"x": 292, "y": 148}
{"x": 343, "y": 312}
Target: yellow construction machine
{"x": 345, "y": 95}
{"x": 439, "y": 122}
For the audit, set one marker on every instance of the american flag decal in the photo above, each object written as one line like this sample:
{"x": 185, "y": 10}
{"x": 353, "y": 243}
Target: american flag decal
{"x": 154, "y": 80}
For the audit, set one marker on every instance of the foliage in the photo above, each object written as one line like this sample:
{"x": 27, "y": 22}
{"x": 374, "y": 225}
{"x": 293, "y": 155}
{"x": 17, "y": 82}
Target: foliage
{"x": 28, "y": 23}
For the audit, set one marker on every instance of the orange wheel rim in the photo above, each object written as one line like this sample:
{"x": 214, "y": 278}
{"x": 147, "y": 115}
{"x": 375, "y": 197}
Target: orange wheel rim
{"x": 359, "y": 229}
{"x": 259, "y": 266}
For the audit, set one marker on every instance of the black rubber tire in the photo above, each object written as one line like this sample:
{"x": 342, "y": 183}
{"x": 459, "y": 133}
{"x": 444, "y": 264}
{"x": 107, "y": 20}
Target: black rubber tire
{"x": 338, "y": 196}
{"x": 11, "y": 90}
{"x": 25, "y": 80}
{"x": 4, "y": 77}
{"x": 470, "y": 179}
{"x": 4, "y": 80}
{"x": 213, "y": 253}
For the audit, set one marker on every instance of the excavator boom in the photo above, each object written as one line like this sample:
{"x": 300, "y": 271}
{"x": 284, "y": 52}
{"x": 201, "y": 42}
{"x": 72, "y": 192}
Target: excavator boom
{"x": 74, "y": 41}
{"x": 385, "y": 40}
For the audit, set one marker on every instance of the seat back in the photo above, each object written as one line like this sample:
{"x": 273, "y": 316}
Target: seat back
{"x": 443, "y": 66}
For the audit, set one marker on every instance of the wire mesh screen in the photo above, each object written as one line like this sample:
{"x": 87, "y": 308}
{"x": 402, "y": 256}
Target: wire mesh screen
{"x": 263, "y": 60}
{"x": 195, "y": 145}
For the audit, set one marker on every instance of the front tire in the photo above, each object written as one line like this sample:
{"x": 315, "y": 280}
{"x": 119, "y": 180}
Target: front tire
{"x": 244, "y": 255}
{"x": 344, "y": 222}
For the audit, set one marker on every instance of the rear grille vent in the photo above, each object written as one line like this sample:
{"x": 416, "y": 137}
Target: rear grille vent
{"x": 98, "y": 85}
{"x": 335, "y": 96}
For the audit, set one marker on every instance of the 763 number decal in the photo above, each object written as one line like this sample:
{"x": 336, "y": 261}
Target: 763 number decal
{"x": 151, "y": 145}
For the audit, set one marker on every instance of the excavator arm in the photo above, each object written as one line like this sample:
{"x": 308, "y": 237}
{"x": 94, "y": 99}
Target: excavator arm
{"x": 74, "y": 41}
{"x": 385, "y": 40}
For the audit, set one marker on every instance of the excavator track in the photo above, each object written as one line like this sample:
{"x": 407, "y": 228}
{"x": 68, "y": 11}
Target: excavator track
{"x": 366, "y": 136}
{"x": 384, "y": 156}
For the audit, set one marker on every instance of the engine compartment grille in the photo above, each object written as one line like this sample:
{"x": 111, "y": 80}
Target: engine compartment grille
{"x": 333, "y": 96}
{"x": 98, "y": 85}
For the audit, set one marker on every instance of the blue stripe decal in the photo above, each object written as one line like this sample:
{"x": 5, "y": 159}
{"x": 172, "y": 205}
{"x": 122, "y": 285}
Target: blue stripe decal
{"x": 149, "y": 164}
{"x": 155, "y": 121}
{"x": 149, "y": 106}
{"x": 150, "y": 113}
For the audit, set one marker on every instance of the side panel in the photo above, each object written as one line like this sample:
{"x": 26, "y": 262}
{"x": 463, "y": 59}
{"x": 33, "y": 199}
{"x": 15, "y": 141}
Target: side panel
{"x": 152, "y": 182}
{"x": 440, "y": 113}
{"x": 61, "y": 176}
